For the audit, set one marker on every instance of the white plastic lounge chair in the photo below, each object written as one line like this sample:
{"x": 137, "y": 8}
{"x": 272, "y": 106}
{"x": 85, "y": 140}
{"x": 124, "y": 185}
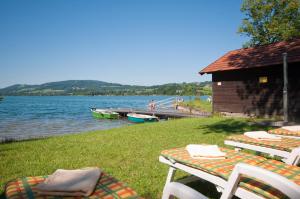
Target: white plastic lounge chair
{"x": 287, "y": 187}
{"x": 279, "y": 182}
{"x": 286, "y": 132}
{"x": 287, "y": 148}
{"x": 220, "y": 172}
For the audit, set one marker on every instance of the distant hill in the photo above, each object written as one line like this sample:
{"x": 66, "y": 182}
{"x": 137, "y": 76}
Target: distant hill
{"x": 93, "y": 87}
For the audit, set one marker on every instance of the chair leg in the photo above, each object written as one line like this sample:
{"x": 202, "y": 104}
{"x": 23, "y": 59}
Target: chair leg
{"x": 171, "y": 175}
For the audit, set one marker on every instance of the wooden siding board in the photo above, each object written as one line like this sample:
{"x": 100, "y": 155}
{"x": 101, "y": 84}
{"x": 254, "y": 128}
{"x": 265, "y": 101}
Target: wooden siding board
{"x": 241, "y": 91}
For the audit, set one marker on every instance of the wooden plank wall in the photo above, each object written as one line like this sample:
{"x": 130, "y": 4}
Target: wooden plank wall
{"x": 241, "y": 92}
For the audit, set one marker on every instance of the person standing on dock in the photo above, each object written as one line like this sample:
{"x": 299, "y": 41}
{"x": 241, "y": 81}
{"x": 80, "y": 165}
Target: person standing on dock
{"x": 152, "y": 105}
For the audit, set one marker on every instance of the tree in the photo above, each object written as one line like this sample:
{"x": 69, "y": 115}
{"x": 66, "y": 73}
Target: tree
{"x": 269, "y": 21}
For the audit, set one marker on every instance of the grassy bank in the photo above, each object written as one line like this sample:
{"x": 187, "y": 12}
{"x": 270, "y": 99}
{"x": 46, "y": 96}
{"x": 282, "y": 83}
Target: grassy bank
{"x": 129, "y": 153}
{"x": 198, "y": 104}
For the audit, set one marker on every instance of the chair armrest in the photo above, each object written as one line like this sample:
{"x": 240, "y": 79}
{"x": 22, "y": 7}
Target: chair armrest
{"x": 277, "y": 181}
{"x": 294, "y": 158}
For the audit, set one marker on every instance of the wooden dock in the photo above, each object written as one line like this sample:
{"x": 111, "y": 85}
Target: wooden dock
{"x": 162, "y": 114}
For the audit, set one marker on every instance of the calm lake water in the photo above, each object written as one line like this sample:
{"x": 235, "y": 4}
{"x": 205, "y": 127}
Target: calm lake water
{"x": 40, "y": 116}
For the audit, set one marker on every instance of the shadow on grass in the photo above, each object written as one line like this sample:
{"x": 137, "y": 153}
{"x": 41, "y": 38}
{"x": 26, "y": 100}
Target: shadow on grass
{"x": 228, "y": 126}
{"x": 2, "y": 196}
{"x": 204, "y": 187}
{"x": 18, "y": 139}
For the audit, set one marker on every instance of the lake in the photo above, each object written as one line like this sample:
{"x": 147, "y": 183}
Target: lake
{"x": 24, "y": 117}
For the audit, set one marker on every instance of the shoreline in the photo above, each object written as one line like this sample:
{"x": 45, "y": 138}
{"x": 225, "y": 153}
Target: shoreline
{"x": 27, "y": 117}
{"x": 41, "y": 137}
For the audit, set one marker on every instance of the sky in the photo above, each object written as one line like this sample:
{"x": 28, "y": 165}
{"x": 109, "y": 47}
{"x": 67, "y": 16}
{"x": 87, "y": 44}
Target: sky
{"x": 137, "y": 42}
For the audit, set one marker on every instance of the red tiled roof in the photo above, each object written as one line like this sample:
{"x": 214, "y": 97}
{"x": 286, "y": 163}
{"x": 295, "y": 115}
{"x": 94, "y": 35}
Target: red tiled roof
{"x": 256, "y": 57}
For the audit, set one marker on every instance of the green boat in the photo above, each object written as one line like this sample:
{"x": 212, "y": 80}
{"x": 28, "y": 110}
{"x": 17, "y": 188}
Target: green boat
{"x": 1, "y": 98}
{"x": 140, "y": 118}
{"x": 104, "y": 114}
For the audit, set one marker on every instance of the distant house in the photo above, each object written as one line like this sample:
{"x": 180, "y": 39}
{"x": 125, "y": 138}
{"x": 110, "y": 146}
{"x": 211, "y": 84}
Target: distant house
{"x": 250, "y": 80}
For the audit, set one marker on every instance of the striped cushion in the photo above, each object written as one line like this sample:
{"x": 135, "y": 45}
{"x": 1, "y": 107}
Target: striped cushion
{"x": 218, "y": 167}
{"x": 288, "y": 171}
{"x": 223, "y": 168}
{"x": 281, "y": 131}
{"x": 107, "y": 188}
{"x": 285, "y": 144}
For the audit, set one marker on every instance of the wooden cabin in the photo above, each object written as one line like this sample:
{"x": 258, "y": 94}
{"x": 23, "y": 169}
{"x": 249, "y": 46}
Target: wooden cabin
{"x": 250, "y": 80}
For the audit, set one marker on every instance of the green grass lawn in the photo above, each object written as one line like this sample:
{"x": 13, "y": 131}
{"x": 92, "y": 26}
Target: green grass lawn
{"x": 199, "y": 104}
{"x": 128, "y": 153}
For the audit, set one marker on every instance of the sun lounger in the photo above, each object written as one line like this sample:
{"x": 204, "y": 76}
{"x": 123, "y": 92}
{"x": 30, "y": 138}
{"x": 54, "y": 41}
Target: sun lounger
{"x": 219, "y": 172}
{"x": 278, "y": 182}
{"x": 107, "y": 187}
{"x": 285, "y": 133}
{"x": 286, "y": 148}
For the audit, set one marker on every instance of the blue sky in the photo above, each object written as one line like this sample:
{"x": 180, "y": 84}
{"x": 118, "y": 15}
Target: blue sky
{"x": 144, "y": 42}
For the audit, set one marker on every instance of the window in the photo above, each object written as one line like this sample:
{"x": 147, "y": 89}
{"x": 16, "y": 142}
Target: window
{"x": 263, "y": 79}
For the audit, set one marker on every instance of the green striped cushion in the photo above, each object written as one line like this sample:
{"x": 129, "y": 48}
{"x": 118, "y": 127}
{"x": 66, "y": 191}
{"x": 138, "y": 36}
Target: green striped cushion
{"x": 281, "y": 131}
{"x": 288, "y": 171}
{"x": 218, "y": 167}
{"x": 285, "y": 144}
{"x": 223, "y": 168}
{"x": 107, "y": 188}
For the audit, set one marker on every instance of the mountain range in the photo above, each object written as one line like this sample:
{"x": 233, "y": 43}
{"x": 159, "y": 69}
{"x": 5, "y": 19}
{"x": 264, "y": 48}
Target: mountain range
{"x": 94, "y": 87}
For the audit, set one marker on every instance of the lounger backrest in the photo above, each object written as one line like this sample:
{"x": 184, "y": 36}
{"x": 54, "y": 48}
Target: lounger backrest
{"x": 294, "y": 158}
{"x": 279, "y": 182}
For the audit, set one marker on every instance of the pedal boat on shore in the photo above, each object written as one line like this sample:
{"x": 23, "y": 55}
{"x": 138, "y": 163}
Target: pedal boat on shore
{"x": 140, "y": 118}
{"x": 104, "y": 114}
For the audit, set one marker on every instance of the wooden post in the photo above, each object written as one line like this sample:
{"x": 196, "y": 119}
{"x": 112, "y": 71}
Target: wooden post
{"x": 285, "y": 88}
